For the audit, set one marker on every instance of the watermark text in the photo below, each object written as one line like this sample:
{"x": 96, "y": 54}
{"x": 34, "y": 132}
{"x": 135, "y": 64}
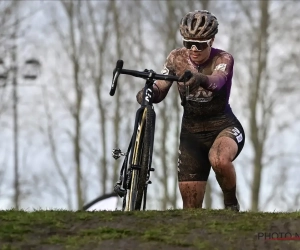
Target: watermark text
{"x": 278, "y": 236}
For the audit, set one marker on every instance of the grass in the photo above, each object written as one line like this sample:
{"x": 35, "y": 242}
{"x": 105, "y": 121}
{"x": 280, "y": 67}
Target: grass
{"x": 171, "y": 229}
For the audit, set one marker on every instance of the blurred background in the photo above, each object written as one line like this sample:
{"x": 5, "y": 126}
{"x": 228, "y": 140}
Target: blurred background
{"x": 58, "y": 123}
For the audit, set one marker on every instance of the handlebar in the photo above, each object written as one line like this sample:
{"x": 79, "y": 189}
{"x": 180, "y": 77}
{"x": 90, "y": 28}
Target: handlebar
{"x": 147, "y": 74}
{"x": 150, "y": 74}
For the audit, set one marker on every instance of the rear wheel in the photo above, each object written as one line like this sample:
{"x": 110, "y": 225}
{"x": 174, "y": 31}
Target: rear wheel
{"x": 140, "y": 160}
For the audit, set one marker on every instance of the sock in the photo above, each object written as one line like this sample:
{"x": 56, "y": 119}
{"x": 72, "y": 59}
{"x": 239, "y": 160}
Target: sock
{"x": 230, "y": 197}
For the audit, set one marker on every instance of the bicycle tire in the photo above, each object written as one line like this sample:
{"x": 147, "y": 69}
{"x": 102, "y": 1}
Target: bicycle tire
{"x": 135, "y": 161}
{"x": 145, "y": 158}
{"x": 141, "y": 158}
{"x": 100, "y": 198}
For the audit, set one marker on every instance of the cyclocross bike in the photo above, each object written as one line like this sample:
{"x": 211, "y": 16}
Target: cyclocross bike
{"x": 136, "y": 168}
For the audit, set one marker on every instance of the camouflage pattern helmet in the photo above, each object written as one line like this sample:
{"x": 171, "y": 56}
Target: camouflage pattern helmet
{"x": 199, "y": 24}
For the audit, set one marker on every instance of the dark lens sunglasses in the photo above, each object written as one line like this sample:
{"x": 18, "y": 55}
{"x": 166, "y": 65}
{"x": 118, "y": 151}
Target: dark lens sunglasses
{"x": 199, "y": 45}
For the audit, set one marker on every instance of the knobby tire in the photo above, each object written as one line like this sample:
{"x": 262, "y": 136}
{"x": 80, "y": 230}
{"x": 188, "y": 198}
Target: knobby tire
{"x": 145, "y": 158}
{"x": 141, "y": 156}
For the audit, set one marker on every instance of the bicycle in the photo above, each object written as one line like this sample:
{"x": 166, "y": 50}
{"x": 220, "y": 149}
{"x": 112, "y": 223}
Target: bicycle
{"x": 137, "y": 165}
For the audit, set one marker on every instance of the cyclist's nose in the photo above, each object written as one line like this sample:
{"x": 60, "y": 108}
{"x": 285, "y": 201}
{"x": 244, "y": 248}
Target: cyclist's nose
{"x": 194, "y": 48}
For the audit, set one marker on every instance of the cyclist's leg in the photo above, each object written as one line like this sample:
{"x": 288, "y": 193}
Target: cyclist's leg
{"x": 224, "y": 150}
{"x": 193, "y": 170}
{"x": 192, "y": 193}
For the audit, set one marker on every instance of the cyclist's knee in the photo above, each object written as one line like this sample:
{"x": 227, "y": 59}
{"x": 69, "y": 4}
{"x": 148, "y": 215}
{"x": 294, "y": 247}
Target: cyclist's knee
{"x": 222, "y": 153}
{"x": 219, "y": 163}
{"x": 219, "y": 159}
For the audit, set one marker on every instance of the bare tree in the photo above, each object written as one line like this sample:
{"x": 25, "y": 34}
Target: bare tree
{"x": 258, "y": 75}
{"x": 119, "y": 54}
{"x": 8, "y": 34}
{"x": 74, "y": 48}
{"x": 97, "y": 67}
{"x": 258, "y": 138}
{"x": 54, "y": 151}
{"x": 72, "y": 10}
{"x": 8, "y": 21}
{"x": 259, "y": 81}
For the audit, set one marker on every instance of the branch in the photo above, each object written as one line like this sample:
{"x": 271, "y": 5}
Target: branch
{"x": 53, "y": 148}
{"x": 246, "y": 9}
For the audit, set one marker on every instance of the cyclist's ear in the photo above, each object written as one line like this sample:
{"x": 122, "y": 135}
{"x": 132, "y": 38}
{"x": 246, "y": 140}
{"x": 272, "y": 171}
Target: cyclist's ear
{"x": 187, "y": 75}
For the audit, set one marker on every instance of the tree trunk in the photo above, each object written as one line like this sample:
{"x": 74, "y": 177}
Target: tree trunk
{"x": 100, "y": 41}
{"x": 117, "y": 97}
{"x": 256, "y": 139}
{"x": 70, "y": 9}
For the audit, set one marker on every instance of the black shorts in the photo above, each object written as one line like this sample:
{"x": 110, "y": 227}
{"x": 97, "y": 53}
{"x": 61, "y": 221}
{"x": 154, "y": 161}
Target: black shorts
{"x": 193, "y": 161}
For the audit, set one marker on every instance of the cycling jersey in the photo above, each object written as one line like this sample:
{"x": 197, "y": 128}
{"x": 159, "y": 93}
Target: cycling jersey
{"x": 207, "y": 107}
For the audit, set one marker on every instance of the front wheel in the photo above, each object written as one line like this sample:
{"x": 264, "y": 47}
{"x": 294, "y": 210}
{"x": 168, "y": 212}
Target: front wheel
{"x": 142, "y": 153}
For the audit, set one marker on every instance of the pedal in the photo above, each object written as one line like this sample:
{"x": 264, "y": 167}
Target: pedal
{"x": 117, "y": 153}
{"x": 152, "y": 169}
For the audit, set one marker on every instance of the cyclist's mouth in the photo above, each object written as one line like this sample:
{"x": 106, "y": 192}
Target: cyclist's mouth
{"x": 195, "y": 55}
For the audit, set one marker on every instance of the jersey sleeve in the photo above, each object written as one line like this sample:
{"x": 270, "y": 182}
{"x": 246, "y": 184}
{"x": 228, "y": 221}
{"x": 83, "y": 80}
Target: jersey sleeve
{"x": 162, "y": 87}
{"x": 223, "y": 69}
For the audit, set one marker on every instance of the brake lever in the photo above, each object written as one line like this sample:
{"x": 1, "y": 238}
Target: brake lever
{"x": 186, "y": 77}
{"x": 187, "y": 92}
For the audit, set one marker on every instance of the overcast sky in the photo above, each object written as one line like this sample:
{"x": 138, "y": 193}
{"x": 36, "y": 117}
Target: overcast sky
{"x": 41, "y": 43}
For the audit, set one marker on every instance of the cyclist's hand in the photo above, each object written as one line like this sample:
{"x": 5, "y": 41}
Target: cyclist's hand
{"x": 186, "y": 76}
{"x": 139, "y": 96}
{"x": 193, "y": 80}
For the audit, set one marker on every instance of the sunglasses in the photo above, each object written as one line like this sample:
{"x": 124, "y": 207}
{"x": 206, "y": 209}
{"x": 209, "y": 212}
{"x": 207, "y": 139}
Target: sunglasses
{"x": 199, "y": 45}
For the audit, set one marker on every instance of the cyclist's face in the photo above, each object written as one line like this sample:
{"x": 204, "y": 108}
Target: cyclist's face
{"x": 200, "y": 56}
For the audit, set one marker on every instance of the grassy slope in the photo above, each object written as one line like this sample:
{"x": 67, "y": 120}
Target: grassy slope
{"x": 172, "y": 229}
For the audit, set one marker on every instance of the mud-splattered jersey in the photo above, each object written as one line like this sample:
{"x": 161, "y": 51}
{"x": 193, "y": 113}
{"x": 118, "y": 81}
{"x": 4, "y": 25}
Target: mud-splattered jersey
{"x": 207, "y": 107}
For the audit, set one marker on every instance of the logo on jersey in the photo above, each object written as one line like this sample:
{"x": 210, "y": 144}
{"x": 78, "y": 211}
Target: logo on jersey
{"x": 165, "y": 71}
{"x": 238, "y": 135}
{"x": 213, "y": 86}
{"x": 221, "y": 67}
{"x": 202, "y": 95}
{"x": 192, "y": 176}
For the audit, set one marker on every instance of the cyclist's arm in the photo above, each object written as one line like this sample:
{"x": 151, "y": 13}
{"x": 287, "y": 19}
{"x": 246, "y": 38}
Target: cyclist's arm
{"x": 160, "y": 87}
{"x": 222, "y": 70}
{"x": 160, "y": 90}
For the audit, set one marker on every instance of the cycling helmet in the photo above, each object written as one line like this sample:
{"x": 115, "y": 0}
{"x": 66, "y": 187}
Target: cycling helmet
{"x": 199, "y": 24}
